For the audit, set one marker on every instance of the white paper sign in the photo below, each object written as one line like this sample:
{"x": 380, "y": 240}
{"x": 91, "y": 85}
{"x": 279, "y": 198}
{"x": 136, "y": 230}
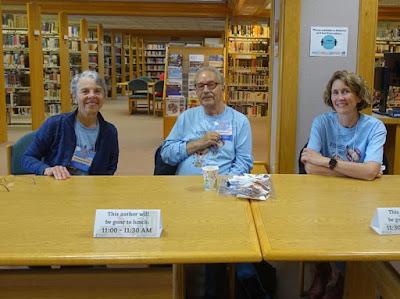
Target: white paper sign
{"x": 329, "y": 41}
{"x": 127, "y": 224}
{"x": 386, "y": 221}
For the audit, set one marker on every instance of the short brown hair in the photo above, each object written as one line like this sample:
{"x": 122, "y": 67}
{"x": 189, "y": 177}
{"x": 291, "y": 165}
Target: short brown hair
{"x": 357, "y": 85}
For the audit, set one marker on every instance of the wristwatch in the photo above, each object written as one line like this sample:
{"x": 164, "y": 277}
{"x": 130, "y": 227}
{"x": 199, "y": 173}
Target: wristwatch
{"x": 332, "y": 163}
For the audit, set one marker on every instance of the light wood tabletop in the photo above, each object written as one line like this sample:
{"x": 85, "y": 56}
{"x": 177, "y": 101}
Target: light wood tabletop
{"x": 312, "y": 217}
{"x": 45, "y": 222}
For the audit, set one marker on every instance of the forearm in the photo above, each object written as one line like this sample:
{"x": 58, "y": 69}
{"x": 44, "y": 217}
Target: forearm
{"x": 33, "y": 165}
{"x": 316, "y": 169}
{"x": 174, "y": 151}
{"x": 195, "y": 146}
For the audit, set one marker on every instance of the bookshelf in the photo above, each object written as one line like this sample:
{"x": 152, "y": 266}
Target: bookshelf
{"x": 74, "y": 48}
{"x": 173, "y": 106}
{"x": 116, "y": 50}
{"x": 16, "y": 68}
{"x": 93, "y": 47}
{"x": 3, "y": 106}
{"x": 65, "y": 97}
{"x": 138, "y": 59}
{"x": 155, "y": 59}
{"x": 107, "y": 60}
{"x": 125, "y": 49}
{"x": 247, "y": 73}
{"x": 51, "y": 66}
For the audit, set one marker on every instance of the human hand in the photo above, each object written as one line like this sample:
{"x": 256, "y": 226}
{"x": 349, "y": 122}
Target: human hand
{"x": 313, "y": 157}
{"x": 59, "y": 172}
{"x": 210, "y": 139}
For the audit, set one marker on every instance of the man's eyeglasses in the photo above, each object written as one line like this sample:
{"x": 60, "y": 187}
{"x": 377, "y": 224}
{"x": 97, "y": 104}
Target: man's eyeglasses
{"x": 210, "y": 85}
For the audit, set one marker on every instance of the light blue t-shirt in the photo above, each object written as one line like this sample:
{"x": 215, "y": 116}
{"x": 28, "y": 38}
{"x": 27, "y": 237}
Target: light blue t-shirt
{"x": 85, "y": 149}
{"x": 361, "y": 143}
{"x": 233, "y": 154}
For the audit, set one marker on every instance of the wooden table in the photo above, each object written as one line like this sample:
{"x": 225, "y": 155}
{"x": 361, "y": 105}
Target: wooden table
{"x": 313, "y": 217}
{"x": 51, "y": 222}
{"x": 392, "y": 146}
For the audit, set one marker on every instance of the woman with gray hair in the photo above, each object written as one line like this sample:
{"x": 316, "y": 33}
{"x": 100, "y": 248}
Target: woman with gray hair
{"x": 79, "y": 142}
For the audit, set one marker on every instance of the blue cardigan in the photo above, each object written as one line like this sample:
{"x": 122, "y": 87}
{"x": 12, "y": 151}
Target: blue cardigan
{"x": 55, "y": 142}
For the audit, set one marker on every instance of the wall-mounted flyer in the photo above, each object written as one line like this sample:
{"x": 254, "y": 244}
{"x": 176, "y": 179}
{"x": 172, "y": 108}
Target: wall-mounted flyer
{"x": 329, "y": 41}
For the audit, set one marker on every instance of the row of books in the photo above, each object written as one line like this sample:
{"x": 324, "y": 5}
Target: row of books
{"x": 251, "y": 110}
{"x": 51, "y": 60}
{"x": 52, "y": 94}
{"x": 14, "y": 21}
{"x": 248, "y": 46}
{"x": 16, "y": 78}
{"x": 259, "y": 62}
{"x": 155, "y": 67}
{"x": 75, "y": 60}
{"x": 50, "y": 43}
{"x": 250, "y": 30}
{"x": 52, "y": 76}
{"x": 74, "y": 45}
{"x": 248, "y": 79}
{"x": 92, "y": 47}
{"x": 93, "y": 59}
{"x": 16, "y": 59}
{"x": 155, "y": 60}
{"x": 154, "y": 53}
{"x": 53, "y": 109}
{"x": 50, "y": 27}
{"x": 15, "y": 41}
{"x": 247, "y": 96}
{"x": 73, "y": 31}
{"x": 155, "y": 47}
{"x": 382, "y": 48}
{"x": 92, "y": 35}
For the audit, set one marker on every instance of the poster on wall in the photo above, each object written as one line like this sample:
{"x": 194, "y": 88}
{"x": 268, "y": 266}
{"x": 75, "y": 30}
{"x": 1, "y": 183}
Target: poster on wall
{"x": 329, "y": 41}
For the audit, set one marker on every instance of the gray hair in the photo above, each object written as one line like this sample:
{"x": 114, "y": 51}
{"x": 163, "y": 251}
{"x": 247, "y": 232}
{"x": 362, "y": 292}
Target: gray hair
{"x": 218, "y": 75}
{"x": 86, "y": 74}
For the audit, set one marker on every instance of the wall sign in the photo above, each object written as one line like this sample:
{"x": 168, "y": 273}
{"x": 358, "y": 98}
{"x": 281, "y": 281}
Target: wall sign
{"x": 329, "y": 41}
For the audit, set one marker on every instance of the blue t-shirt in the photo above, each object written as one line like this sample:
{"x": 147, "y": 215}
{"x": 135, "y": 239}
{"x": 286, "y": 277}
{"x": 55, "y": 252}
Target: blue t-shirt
{"x": 85, "y": 149}
{"x": 233, "y": 154}
{"x": 361, "y": 143}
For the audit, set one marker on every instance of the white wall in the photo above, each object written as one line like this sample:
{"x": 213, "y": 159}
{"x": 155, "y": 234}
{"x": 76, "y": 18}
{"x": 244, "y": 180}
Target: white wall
{"x": 314, "y": 72}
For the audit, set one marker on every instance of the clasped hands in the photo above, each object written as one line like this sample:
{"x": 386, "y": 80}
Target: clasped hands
{"x": 313, "y": 157}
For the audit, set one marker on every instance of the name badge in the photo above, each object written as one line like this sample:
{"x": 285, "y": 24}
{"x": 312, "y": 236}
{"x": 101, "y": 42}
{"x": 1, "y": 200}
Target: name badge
{"x": 82, "y": 158}
{"x": 386, "y": 221}
{"x": 127, "y": 224}
{"x": 224, "y": 129}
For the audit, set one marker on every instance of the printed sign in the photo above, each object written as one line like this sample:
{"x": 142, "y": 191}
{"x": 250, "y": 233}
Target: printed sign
{"x": 127, "y": 224}
{"x": 329, "y": 41}
{"x": 386, "y": 221}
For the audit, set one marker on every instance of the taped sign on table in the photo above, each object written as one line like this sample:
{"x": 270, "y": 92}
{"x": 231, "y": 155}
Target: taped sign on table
{"x": 127, "y": 224}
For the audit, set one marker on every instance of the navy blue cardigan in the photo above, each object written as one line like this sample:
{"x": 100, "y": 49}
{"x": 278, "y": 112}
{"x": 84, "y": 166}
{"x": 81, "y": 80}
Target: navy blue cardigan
{"x": 55, "y": 142}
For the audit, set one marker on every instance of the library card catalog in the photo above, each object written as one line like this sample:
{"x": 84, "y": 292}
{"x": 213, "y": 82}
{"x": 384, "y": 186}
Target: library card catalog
{"x": 386, "y": 221}
{"x": 127, "y": 224}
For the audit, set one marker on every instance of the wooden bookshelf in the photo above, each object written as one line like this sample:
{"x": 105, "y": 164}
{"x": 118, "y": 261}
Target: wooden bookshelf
{"x": 3, "y": 108}
{"x": 107, "y": 61}
{"x": 100, "y": 50}
{"x": 16, "y": 69}
{"x": 65, "y": 76}
{"x": 125, "y": 45}
{"x": 169, "y": 121}
{"x": 51, "y": 65}
{"x": 247, "y": 72}
{"x": 93, "y": 49}
{"x": 113, "y": 69}
{"x": 83, "y": 35}
{"x": 74, "y": 49}
{"x": 155, "y": 59}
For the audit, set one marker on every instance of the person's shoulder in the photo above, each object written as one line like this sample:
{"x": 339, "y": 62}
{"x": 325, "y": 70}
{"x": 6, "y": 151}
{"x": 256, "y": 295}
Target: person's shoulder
{"x": 371, "y": 121}
{"x": 59, "y": 118}
{"x": 238, "y": 115}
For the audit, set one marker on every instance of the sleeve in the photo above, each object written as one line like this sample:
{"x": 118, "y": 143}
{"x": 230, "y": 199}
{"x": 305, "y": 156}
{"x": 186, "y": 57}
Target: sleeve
{"x": 114, "y": 153}
{"x": 174, "y": 150}
{"x": 374, "y": 151}
{"x": 31, "y": 160}
{"x": 315, "y": 139}
{"x": 243, "y": 161}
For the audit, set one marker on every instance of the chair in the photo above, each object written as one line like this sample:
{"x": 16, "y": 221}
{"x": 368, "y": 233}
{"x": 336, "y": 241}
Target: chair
{"x": 146, "y": 78}
{"x": 15, "y": 152}
{"x": 158, "y": 97}
{"x": 160, "y": 167}
{"x": 259, "y": 167}
{"x": 139, "y": 99}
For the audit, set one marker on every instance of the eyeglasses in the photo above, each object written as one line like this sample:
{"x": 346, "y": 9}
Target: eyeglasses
{"x": 211, "y": 85}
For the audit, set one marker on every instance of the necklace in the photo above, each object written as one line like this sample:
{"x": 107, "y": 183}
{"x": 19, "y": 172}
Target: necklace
{"x": 353, "y": 155}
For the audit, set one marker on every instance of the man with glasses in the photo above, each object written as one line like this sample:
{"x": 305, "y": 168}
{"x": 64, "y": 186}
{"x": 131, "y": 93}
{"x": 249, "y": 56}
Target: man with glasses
{"x": 211, "y": 134}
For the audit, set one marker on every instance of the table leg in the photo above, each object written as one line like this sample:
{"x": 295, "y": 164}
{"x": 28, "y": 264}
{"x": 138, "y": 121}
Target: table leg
{"x": 178, "y": 281}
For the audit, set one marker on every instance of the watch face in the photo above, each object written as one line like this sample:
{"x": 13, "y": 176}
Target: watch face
{"x": 332, "y": 163}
